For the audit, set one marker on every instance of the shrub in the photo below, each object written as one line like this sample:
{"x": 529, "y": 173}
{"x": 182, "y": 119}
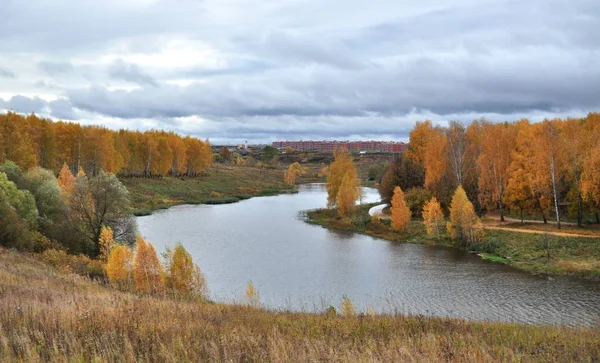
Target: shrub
{"x": 77, "y": 264}
{"x": 491, "y": 246}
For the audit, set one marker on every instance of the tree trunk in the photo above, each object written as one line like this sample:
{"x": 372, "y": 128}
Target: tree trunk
{"x": 579, "y": 211}
{"x": 501, "y": 215}
{"x": 522, "y": 217}
{"x": 597, "y": 217}
{"x": 555, "y": 194}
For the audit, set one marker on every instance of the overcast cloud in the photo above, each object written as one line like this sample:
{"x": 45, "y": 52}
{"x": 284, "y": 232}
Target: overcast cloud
{"x": 257, "y": 70}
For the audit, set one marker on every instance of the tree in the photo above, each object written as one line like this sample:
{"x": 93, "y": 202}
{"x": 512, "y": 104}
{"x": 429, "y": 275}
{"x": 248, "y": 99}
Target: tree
{"x": 338, "y": 169}
{"x": 416, "y": 198}
{"x": 269, "y": 154}
{"x": 498, "y": 142}
{"x": 225, "y": 153}
{"x": 21, "y": 200}
{"x": 119, "y": 265}
{"x": 66, "y": 180}
{"x": 106, "y": 242}
{"x": 400, "y": 212}
{"x": 348, "y": 194}
{"x": 97, "y": 202}
{"x": 433, "y": 217}
{"x": 403, "y": 172}
{"x": 546, "y": 136}
{"x": 294, "y": 170}
{"x": 147, "y": 270}
{"x": 184, "y": 277}
{"x": 464, "y": 224}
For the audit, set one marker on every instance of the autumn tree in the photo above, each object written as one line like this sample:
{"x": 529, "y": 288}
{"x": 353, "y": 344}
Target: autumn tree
{"x": 433, "y": 217}
{"x": 106, "y": 242}
{"x": 252, "y": 296}
{"x": 119, "y": 265}
{"x": 464, "y": 224}
{"x": 183, "y": 276}
{"x": 548, "y": 157}
{"x": 348, "y": 194}
{"x": 346, "y": 307}
{"x": 400, "y": 211}
{"x": 294, "y": 170}
{"x": 498, "y": 142}
{"x": 147, "y": 270}
{"x": 339, "y": 168}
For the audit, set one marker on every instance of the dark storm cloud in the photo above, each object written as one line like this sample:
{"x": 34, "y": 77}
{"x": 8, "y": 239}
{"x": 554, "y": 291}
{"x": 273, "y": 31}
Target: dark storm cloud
{"x": 130, "y": 72}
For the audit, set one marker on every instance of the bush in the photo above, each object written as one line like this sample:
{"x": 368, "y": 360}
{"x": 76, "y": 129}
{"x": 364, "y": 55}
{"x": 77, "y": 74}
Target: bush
{"x": 214, "y": 194}
{"x": 77, "y": 264}
{"x": 491, "y": 246}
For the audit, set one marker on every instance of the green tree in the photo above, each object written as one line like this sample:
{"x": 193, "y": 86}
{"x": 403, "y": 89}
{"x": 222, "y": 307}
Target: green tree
{"x": 97, "y": 202}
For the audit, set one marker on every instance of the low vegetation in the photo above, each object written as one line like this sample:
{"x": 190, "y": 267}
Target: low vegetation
{"x": 49, "y": 315}
{"x": 220, "y": 184}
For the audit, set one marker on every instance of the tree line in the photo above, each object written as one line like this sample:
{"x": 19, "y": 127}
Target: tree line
{"x": 549, "y": 168}
{"x": 30, "y": 141}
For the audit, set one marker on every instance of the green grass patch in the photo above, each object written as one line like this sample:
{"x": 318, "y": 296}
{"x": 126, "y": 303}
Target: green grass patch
{"x": 492, "y": 258}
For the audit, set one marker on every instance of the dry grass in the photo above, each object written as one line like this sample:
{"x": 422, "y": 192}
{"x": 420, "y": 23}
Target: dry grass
{"x": 49, "y": 316}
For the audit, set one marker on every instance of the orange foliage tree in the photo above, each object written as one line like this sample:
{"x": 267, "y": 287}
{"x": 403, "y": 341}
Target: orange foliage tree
{"x": 147, "y": 270}
{"x": 400, "y": 211}
{"x": 433, "y": 217}
{"x": 341, "y": 167}
{"x": 119, "y": 265}
{"x": 464, "y": 224}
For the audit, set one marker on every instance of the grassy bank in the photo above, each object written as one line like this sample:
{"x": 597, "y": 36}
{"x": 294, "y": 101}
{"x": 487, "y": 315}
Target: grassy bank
{"x": 221, "y": 184}
{"x": 49, "y": 316}
{"x": 536, "y": 253}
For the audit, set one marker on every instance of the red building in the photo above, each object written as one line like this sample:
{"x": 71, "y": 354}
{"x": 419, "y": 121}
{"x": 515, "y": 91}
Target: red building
{"x": 356, "y": 146}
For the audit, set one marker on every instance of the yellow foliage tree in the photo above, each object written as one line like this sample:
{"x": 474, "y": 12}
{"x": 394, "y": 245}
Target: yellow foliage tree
{"x": 184, "y": 277}
{"x": 106, "y": 242}
{"x": 118, "y": 266}
{"x": 400, "y": 211}
{"x": 433, "y": 217}
{"x": 66, "y": 180}
{"x": 464, "y": 224}
{"x": 338, "y": 169}
{"x": 147, "y": 270}
{"x": 293, "y": 171}
{"x": 348, "y": 194}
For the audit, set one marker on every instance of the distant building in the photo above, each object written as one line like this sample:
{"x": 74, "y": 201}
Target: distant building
{"x": 356, "y": 146}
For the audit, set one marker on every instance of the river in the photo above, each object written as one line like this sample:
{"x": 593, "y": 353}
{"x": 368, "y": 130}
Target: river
{"x": 302, "y": 267}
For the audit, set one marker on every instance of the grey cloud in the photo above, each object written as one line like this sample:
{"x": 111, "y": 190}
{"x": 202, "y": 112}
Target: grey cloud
{"x": 24, "y": 104}
{"x": 7, "y": 73}
{"x": 130, "y": 72}
{"x": 309, "y": 68}
{"x": 55, "y": 68}
{"x": 62, "y": 109}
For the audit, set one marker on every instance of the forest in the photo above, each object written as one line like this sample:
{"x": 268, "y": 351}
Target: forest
{"x": 31, "y": 141}
{"x": 525, "y": 168}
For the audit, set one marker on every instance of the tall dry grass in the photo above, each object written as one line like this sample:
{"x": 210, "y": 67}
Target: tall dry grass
{"x": 46, "y": 315}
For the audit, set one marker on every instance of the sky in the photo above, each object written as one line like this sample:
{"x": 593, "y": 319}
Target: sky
{"x": 266, "y": 70}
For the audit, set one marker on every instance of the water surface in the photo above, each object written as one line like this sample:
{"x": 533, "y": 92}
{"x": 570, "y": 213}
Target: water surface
{"x": 298, "y": 266}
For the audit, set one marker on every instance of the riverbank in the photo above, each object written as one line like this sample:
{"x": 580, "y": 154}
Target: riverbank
{"x": 220, "y": 185}
{"x": 46, "y": 315}
{"x": 537, "y": 253}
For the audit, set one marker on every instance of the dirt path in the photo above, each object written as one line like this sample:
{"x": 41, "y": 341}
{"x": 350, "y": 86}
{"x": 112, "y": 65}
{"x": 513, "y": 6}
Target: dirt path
{"x": 510, "y": 219}
{"x": 524, "y": 230}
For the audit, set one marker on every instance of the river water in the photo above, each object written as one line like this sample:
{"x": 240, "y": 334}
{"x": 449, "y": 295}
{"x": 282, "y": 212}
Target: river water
{"x": 298, "y": 266}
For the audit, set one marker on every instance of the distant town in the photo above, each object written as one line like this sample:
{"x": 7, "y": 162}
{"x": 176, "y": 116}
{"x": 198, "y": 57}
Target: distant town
{"x": 357, "y": 146}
